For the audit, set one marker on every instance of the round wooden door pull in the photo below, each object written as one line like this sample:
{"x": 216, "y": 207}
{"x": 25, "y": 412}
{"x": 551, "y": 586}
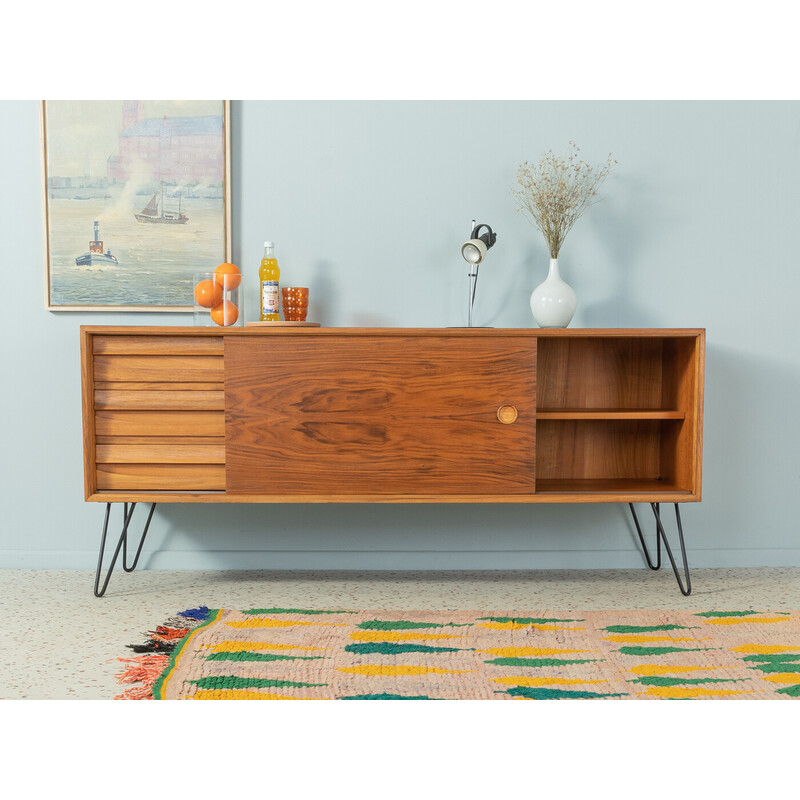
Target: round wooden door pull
{"x": 506, "y": 414}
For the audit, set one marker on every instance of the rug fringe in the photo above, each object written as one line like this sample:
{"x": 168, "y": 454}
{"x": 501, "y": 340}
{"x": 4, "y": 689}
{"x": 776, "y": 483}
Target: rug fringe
{"x": 147, "y": 668}
{"x": 200, "y": 613}
{"x": 141, "y": 669}
{"x": 169, "y": 634}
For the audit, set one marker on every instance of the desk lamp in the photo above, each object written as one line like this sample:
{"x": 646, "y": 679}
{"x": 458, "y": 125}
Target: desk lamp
{"x": 474, "y": 251}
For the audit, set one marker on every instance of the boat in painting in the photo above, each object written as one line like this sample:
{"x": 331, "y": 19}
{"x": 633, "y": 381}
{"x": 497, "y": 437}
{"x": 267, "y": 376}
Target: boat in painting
{"x": 96, "y": 256}
{"x": 154, "y": 211}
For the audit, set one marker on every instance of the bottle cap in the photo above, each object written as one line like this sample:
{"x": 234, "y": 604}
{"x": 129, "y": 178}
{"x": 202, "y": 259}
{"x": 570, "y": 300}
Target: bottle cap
{"x": 269, "y": 244}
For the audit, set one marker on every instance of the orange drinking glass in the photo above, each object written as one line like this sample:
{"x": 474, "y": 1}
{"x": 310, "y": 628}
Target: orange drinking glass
{"x": 295, "y": 303}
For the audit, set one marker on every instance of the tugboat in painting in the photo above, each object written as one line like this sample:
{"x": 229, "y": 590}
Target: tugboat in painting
{"x": 96, "y": 256}
{"x": 150, "y": 213}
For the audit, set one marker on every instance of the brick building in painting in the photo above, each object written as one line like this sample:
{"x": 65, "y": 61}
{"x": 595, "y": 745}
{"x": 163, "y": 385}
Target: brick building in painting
{"x": 175, "y": 150}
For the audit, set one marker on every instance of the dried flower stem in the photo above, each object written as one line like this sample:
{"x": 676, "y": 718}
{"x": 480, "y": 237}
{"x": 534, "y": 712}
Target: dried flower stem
{"x": 557, "y": 191}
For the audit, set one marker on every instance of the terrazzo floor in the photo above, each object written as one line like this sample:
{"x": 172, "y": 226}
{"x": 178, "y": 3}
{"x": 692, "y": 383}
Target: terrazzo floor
{"x": 59, "y": 642}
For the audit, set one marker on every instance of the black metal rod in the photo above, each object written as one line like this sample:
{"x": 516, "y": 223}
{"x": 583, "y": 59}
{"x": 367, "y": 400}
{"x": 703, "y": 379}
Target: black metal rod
{"x": 132, "y": 567}
{"x": 650, "y": 564}
{"x": 122, "y": 544}
{"x": 686, "y": 589}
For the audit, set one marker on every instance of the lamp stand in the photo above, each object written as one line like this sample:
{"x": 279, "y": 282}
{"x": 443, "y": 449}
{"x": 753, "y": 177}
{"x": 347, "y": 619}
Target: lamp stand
{"x": 473, "y": 282}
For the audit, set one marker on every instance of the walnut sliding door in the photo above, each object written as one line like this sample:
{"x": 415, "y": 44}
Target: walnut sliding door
{"x": 368, "y": 414}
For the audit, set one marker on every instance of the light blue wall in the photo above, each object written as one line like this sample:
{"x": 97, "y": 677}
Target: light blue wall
{"x": 368, "y": 203}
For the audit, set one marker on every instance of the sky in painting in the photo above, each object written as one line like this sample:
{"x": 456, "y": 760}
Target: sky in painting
{"x": 82, "y": 134}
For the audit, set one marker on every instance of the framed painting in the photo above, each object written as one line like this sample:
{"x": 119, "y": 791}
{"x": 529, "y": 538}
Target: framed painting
{"x": 136, "y": 199}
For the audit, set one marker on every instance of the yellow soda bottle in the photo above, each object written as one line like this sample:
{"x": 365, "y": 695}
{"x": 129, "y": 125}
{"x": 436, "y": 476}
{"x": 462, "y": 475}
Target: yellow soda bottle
{"x": 270, "y": 276}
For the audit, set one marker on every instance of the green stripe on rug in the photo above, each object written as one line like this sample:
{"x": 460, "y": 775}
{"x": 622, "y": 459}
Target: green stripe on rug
{"x": 402, "y": 624}
{"x": 656, "y": 680}
{"x": 249, "y": 655}
{"x": 773, "y": 658}
{"x": 535, "y": 693}
{"x": 293, "y": 611}
{"x": 387, "y": 696}
{"x": 539, "y": 662}
{"x": 390, "y": 648}
{"x": 529, "y": 620}
{"x": 659, "y": 651}
{"x": 237, "y": 682}
{"x": 721, "y": 614}
{"x": 647, "y": 628}
{"x": 776, "y": 667}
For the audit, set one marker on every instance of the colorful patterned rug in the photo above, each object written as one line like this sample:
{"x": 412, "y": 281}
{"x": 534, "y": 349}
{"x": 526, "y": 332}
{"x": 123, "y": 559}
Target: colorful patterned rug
{"x": 314, "y": 654}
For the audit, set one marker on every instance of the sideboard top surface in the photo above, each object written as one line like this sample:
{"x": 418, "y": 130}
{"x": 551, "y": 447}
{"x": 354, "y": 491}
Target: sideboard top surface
{"x": 185, "y": 330}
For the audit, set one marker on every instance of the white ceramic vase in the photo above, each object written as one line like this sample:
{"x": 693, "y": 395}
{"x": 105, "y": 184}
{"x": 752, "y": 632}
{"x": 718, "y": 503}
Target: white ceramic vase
{"x": 553, "y": 302}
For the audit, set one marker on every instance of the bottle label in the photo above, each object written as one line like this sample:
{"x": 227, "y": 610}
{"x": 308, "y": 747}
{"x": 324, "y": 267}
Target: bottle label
{"x": 269, "y": 297}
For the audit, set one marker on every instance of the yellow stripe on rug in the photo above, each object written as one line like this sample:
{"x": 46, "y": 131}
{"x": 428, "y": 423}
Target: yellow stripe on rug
{"x": 397, "y": 671}
{"x": 783, "y": 677}
{"x": 526, "y": 680}
{"x": 765, "y": 649}
{"x": 515, "y": 652}
{"x": 240, "y": 694}
{"x": 398, "y": 636}
{"x": 234, "y": 647}
{"x": 657, "y": 669}
{"x": 678, "y": 693}
{"x": 518, "y": 626}
{"x": 745, "y": 620}
{"x": 280, "y": 623}
{"x": 633, "y": 638}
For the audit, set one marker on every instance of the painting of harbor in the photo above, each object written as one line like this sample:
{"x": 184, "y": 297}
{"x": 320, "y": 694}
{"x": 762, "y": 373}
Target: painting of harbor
{"x": 137, "y": 200}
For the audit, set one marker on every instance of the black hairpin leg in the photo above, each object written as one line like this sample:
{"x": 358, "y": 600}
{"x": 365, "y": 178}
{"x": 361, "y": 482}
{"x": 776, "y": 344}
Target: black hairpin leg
{"x": 660, "y": 535}
{"x": 121, "y": 544}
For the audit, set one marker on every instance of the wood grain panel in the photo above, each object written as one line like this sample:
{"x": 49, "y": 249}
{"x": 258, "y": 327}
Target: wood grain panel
{"x": 159, "y": 386}
{"x": 628, "y": 491}
{"x": 160, "y": 400}
{"x": 681, "y": 446}
{"x": 598, "y": 488}
{"x": 600, "y": 372}
{"x": 571, "y": 450}
{"x": 158, "y": 345}
{"x": 160, "y": 477}
{"x": 609, "y": 413}
{"x": 159, "y": 423}
{"x": 379, "y": 415}
{"x": 160, "y": 440}
{"x": 87, "y": 408}
{"x": 158, "y": 368}
{"x": 148, "y": 453}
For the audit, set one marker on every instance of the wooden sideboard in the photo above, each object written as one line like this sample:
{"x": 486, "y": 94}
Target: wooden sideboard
{"x": 175, "y": 414}
{"x": 392, "y": 415}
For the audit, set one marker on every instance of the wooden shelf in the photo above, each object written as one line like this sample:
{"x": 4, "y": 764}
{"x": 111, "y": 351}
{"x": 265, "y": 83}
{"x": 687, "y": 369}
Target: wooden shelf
{"x": 600, "y": 486}
{"x": 608, "y": 413}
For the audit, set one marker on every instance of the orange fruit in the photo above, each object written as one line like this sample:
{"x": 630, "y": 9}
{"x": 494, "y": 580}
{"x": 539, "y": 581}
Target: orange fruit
{"x": 226, "y": 313}
{"x": 228, "y": 276}
{"x": 208, "y": 294}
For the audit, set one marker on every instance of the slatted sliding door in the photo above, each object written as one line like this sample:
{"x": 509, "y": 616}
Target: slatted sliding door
{"x": 158, "y": 413}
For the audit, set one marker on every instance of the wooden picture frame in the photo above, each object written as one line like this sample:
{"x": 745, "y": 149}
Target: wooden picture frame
{"x": 136, "y": 198}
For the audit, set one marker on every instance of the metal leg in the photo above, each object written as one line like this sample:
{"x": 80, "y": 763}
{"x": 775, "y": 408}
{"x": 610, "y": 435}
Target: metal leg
{"x": 121, "y": 544}
{"x": 686, "y": 589}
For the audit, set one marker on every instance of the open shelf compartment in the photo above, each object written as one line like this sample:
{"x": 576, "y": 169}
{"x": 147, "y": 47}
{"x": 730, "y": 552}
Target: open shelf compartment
{"x": 617, "y": 415}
